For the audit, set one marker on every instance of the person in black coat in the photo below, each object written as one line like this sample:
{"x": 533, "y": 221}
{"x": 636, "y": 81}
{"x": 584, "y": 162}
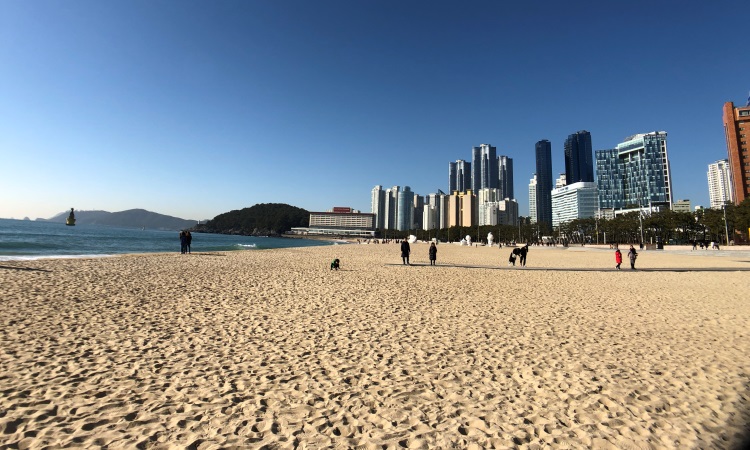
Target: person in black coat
{"x": 433, "y": 254}
{"x": 524, "y": 251}
{"x": 405, "y": 250}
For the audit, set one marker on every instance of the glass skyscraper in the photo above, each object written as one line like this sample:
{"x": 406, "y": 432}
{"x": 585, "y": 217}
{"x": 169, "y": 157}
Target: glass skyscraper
{"x": 635, "y": 174}
{"x": 505, "y": 172}
{"x": 405, "y": 207}
{"x": 459, "y": 176}
{"x": 579, "y": 164}
{"x": 485, "y": 167}
{"x": 544, "y": 183}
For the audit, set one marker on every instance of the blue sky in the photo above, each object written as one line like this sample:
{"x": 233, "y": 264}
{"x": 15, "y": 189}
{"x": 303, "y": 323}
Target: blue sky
{"x": 193, "y": 109}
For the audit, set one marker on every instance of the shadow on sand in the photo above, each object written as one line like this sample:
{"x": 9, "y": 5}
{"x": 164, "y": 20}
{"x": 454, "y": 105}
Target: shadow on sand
{"x": 27, "y": 269}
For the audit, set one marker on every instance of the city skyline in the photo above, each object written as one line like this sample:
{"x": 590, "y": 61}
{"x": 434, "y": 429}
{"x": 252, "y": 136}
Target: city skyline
{"x": 192, "y": 109}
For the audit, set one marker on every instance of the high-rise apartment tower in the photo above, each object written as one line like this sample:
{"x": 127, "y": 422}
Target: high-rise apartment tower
{"x": 737, "y": 132}
{"x": 720, "y": 183}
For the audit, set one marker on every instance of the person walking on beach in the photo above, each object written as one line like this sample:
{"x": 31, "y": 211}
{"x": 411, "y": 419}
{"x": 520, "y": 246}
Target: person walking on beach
{"x": 618, "y": 258}
{"x": 524, "y": 251}
{"x": 433, "y": 254}
{"x": 632, "y": 255}
{"x": 405, "y": 250}
{"x": 188, "y": 240}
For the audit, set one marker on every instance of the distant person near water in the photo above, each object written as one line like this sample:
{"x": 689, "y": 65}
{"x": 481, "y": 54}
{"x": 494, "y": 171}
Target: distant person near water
{"x": 189, "y": 240}
{"x": 183, "y": 242}
{"x": 405, "y": 250}
{"x": 433, "y": 254}
{"x": 632, "y": 254}
{"x": 524, "y": 251}
{"x": 618, "y": 258}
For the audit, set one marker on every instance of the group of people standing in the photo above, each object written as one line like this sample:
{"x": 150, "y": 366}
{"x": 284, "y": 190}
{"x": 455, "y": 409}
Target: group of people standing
{"x": 632, "y": 255}
{"x": 406, "y": 251}
{"x": 185, "y": 240}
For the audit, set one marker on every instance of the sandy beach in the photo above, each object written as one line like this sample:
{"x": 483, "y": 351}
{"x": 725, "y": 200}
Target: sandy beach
{"x": 271, "y": 349}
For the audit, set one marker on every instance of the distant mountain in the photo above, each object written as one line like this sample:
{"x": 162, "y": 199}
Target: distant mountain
{"x": 135, "y": 218}
{"x": 264, "y": 219}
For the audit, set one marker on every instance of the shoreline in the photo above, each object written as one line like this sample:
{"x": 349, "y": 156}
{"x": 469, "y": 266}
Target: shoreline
{"x": 260, "y": 349}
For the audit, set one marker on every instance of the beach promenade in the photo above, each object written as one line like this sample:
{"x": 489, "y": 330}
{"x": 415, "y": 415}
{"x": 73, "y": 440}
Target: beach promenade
{"x": 271, "y": 349}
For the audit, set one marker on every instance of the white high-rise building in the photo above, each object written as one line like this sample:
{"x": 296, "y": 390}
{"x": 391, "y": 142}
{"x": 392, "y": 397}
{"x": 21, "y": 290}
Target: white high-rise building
{"x": 720, "y": 183}
{"x": 431, "y": 214}
{"x": 378, "y": 206}
{"x": 532, "y": 200}
{"x": 561, "y": 181}
{"x": 504, "y": 212}
{"x": 574, "y": 201}
{"x": 489, "y": 195}
{"x": 494, "y": 209}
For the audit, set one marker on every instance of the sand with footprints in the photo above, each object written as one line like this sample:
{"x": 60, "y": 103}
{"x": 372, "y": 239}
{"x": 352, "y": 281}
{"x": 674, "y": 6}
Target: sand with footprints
{"x": 271, "y": 349}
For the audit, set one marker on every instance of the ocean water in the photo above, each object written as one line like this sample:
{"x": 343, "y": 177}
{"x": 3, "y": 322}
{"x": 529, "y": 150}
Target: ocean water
{"x": 24, "y": 239}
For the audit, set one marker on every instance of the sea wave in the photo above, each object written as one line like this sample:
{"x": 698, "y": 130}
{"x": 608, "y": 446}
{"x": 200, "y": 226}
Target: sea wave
{"x": 248, "y": 245}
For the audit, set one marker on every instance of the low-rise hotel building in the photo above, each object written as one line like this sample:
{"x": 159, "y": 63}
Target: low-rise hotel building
{"x": 574, "y": 201}
{"x": 340, "y": 221}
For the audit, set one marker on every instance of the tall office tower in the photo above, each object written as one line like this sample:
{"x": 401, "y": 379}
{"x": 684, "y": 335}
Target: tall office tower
{"x": 485, "y": 167}
{"x": 391, "y": 208}
{"x": 452, "y": 176}
{"x": 505, "y": 173}
{"x": 532, "y": 200}
{"x": 544, "y": 183}
{"x": 459, "y": 176}
{"x": 378, "y": 206}
{"x": 635, "y": 174}
{"x": 720, "y": 183}
{"x": 737, "y": 129}
{"x": 561, "y": 181}
{"x": 579, "y": 165}
{"x": 405, "y": 215}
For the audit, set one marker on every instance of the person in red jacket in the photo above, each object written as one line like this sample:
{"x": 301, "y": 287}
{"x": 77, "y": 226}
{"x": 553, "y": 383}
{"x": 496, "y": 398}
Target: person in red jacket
{"x": 618, "y": 258}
